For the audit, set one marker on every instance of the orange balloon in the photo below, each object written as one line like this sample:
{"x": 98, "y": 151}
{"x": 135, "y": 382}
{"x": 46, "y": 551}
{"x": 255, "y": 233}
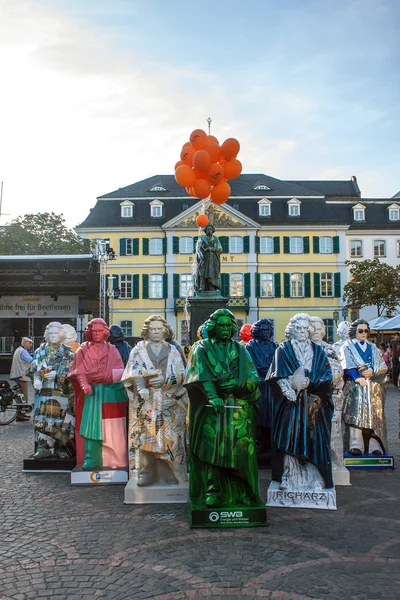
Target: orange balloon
{"x": 202, "y": 188}
{"x": 214, "y": 151}
{"x": 187, "y": 155}
{"x": 201, "y": 160}
{"x": 178, "y": 164}
{"x": 190, "y": 191}
{"x": 201, "y": 174}
{"x": 212, "y": 139}
{"x": 215, "y": 173}
{"x": 198, "y": 139}
{"x": 232, "y": 168}
{"x": 220, "y": 193}
{"x": 185, "y": 176}
{"x": 230, "y": 148}
{"x": 202, "y": 220}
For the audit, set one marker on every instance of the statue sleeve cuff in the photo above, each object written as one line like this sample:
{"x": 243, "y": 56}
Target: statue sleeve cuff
{"x": 210, "y": 390}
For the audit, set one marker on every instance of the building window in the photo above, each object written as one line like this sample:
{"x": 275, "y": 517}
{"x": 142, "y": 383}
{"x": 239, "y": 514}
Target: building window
{"x": 267, "y": 285}
{"x": 236, "y": 245}
{"x": 379, "y": 248}
{"x": 158, "y": 188}
{"x": 127, "y": 328}
{"x": 398, "y": 247}
{"x": 356, "y": 249}
{"x": 185, "y": 285}
{"x": 127, "y": 211}
{"x": 236, "y": 206}
{"x": 327, "y": 285}
{"x": 186, "y": 245}
{"x": 236, "y": 285}
{"x": 125, "y": 285}
{"x": 394, "y": 213}
{"x": 294, "y": 208}
{"x": 264, "y": 208}
{"x": 155, "y": 286}
{"x": 329, "y": 329}
{"x": 296, "y": 285}
{"x": 155, "y": 246}
{"x": 262, "y": 187}
{"x": 267, "y": 245}
{"x": 359, "y": 212}
{"x": 296, "y": 245}
{"x": 128, "y": 242}
{"x": 326, "y": 245}
{"x": 156, "y": 210}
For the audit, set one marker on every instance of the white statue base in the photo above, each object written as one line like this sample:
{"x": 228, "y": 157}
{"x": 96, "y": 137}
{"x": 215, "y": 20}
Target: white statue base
{"x": 99, "y": 477}
{"x": 341, "y": 476}
{"x": 324, "y": 499}
{"x": 157, "y": 493}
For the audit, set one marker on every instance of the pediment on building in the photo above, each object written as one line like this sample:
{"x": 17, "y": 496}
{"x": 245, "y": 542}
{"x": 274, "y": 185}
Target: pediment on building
{"x": 221, "y": 216}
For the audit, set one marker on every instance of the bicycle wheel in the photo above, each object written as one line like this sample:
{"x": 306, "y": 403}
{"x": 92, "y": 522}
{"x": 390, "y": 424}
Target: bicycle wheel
{"x": 8, "y": 414}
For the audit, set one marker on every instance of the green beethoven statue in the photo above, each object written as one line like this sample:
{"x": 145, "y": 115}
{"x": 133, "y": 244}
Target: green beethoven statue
{"x": 223, "y": 388}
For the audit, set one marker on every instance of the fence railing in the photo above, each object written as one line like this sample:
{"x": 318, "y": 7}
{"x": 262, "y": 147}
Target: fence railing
{"x": 6, "y": 343}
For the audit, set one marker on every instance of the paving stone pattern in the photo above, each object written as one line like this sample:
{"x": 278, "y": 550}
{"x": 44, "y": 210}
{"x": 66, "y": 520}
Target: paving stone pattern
{"x": 82, "y": 543}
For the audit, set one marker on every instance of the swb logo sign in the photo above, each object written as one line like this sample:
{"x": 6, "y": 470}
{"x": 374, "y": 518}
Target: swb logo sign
{"x": 224, "y": 515}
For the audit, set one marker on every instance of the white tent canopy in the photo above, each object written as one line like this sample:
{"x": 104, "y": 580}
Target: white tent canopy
{"x": 385, "y": 324}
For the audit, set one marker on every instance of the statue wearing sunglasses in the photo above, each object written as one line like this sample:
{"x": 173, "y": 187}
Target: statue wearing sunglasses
{"x": 364, "y": 392}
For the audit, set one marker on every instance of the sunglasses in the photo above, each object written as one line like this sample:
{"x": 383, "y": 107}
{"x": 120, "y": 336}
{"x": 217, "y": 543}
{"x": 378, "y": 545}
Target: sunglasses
{"x": 362, "y": 330}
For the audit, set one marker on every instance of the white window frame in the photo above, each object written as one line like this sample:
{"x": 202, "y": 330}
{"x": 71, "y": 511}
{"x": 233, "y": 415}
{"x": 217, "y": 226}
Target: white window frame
{"x": 359, "y": 213}
{"x": 394, "y": 212}
{"x": 293, "y": 207}
{"x": 128, "y": 246}
{"x": 236, "y": 281}
{"x": 297, "y": 285}
{"x": 182, "y": 241}
{"x": 379, "y": 245}
{"x": 327, "y": 285}
{"x": 324, "y": 242}
{"x": 268, "y": 279}
{"x": 231, "y": 244}
{"x": 155, "y": 286}
{"x": 126, "y": 329}
{"x": 264, "y": 207}
{"x": 156, "y": 209}
{"x": 266, "y": 241}
{"x": 154, "y": 240}
{"x": 358, "y": 252}
{"x": 126, "y": 209}
{"x": 295, "y": 240}
{"x": 158, "y": 188}
{"x": 262, "y": 187}
{"x": 125, "y": 284}
{"x": 185, "y": 285}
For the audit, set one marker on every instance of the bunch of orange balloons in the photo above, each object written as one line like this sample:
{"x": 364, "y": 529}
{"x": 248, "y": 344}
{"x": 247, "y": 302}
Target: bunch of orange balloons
{"x": 205, "y": 166}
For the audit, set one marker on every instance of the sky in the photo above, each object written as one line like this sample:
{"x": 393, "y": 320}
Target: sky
{"x": 98, "y": 94}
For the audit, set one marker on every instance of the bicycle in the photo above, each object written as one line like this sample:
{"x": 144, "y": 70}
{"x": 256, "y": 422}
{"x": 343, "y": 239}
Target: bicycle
{"x": 12, "y": 402}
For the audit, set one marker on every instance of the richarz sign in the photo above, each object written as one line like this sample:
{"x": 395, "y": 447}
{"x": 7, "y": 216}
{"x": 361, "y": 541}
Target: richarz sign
{"x": 38, "y": 306}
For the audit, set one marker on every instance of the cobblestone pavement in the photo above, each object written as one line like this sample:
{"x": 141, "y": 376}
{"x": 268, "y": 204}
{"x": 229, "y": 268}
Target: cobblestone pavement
{"x": 79, "y": 543}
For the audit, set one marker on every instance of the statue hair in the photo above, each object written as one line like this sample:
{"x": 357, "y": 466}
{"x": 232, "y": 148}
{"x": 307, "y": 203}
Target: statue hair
{"x": 89, "y": 328}
{"x": 57, "y": 325}
{"x": 320, "y": 321}
{"x": 343, "y": 328}
{"x": 289, "y": 331}
{"x": 209, "y": 225}
{"x": 212, "y": 322}
{"x": 255, "y": 328}
{"x": 146, "y": 325}
{"x": 354, "y": 325}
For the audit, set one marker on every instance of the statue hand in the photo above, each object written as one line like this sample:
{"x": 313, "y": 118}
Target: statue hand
{"x": 291, "y": 395}
{"x": 50, "y": 376}
{"x": 227, "y": 386}
{"x": 368, "y": 373}
{"x": 305, "y": 383}
{"x": 157, "y": 381}
{"x": 87, "y": 389}
{"x": 37, "y": 385}
{"x": 144, "y": 394}
{"x": 361, "y": 381}
{"x": 218, "y": 404}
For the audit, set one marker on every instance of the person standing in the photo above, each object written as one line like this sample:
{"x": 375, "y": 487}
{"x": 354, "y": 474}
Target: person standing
{"x": 20, "y": 366}
{"x": 395, "y": 348}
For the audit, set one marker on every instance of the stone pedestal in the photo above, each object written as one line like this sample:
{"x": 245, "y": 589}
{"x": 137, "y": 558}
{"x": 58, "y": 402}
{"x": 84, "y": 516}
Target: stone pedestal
{"x": 240, "y": 516}
{"x": 158, "y": 493}
{"x": 369, "y": 462}
{"x": 202, "y": 306}
{"x": 324, "y": 499}
{"x": 341, "y": 475}
{"x": 99, "y": 477}
{"x": 48, "y": 465}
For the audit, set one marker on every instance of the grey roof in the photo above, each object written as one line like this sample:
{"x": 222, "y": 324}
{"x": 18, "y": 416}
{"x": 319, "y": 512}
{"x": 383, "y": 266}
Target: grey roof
{"x": 396, "y": 195}
{"x": 333, "y": 188}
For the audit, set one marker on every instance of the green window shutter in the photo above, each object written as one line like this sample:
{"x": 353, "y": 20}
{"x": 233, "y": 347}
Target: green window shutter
{"x": 145, "y": 246}
{"x": 306, "y": 244}
{"x": 317, "y": 285}
{"x": 307, "y": 285}
{"x": 246, "y": 244}
{"x": 165, "y": 285}
{"x": 247, "y": 285}
{"x": 164, "y": 246}
{"x": 224, "y": 239}
{"x": 315, "y": 242}
{"x": 135, "y": 246}
{"x": 145, "y": 286}
{"x": 176, "y": 285}
{"x": 175, "y": 245}
{"x": 336, "y": 244}
{"x": 122, "y": 246}
{"x": 286, "y": 285}
{"x": 115, "y": 282}
{"x": 135, "y": 286}
{"x": 286, "y": 245}
{"x": 338, "y": 287}
{"x": 277, "y": 245}
{"x": 225, "y": 284}
{"x": 258, "y": 284}
{"x": 257, "y": 244}
{"x": 277, "y": 285}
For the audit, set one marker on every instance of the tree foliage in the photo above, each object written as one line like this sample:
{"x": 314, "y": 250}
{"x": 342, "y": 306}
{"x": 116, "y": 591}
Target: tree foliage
{"x": 41, "y": 233}
{"x": 373, "y": 283}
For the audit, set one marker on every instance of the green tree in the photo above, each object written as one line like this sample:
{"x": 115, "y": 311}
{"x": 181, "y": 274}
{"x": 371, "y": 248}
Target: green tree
{"x": 41, "y": 233}
{"x": 373, "y": 283}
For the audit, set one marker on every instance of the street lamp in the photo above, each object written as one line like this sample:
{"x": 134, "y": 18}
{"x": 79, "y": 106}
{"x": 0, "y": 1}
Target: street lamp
{"x": 345, "y": 313}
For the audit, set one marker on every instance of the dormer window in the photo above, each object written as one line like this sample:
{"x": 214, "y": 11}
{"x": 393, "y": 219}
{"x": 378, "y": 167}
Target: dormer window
{"x": 156, "y": 208}
{"x": 262, "y": 187}
{"x": 127, "y": 209}
{"x": 264, "y": 208}
{"x": 394, "y": 212}
{"x": 359, "y": 212}
{"x": 158, "y": 188}
{"x": 294, "y": 207}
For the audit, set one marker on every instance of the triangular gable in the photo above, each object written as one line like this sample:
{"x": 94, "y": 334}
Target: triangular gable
{"x": 221, "y": 216}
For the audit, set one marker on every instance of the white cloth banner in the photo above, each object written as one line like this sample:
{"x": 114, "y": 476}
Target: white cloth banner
{"x": 38, "y": 306}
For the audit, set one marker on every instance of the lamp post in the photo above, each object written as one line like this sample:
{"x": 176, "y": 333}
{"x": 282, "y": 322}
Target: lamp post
{"x": 345, "y": 313}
